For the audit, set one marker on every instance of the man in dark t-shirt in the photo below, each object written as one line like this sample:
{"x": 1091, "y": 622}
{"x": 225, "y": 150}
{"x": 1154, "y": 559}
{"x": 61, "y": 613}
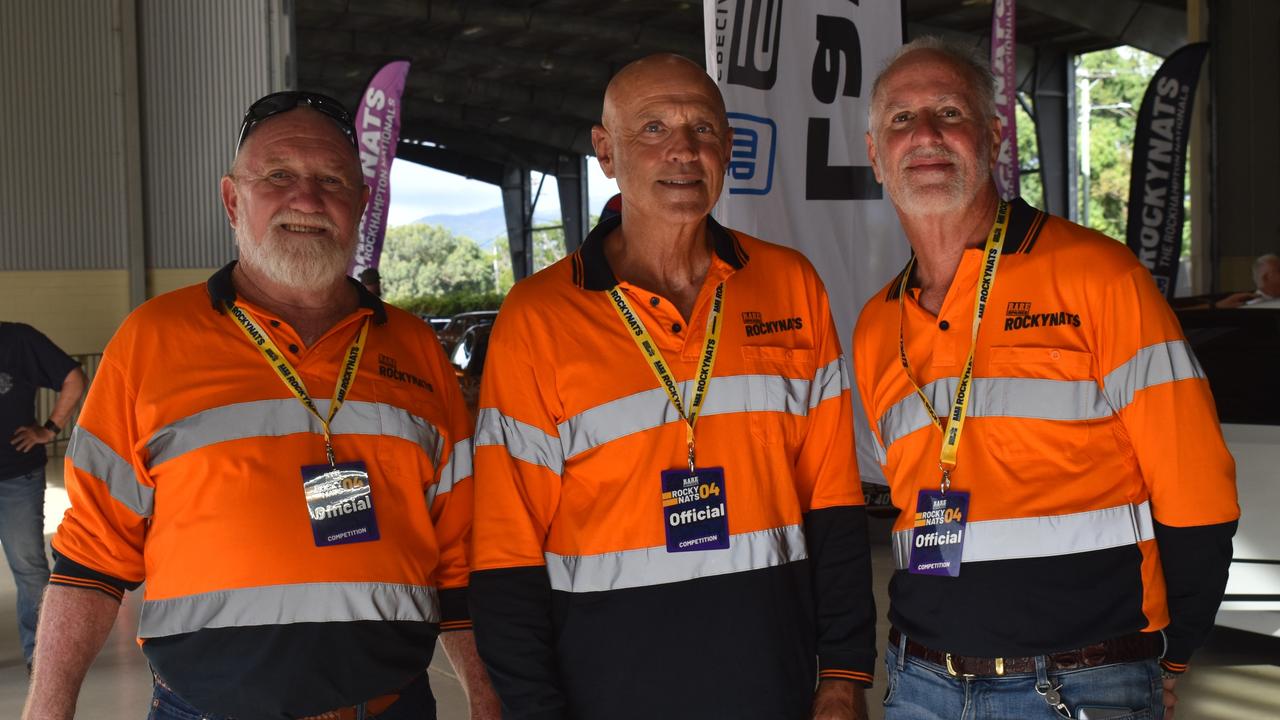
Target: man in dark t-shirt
{"x": 29, "y": 360}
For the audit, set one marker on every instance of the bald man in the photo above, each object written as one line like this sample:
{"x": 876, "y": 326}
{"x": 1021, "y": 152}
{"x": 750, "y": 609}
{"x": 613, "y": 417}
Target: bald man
{"x": 669, "y": 522}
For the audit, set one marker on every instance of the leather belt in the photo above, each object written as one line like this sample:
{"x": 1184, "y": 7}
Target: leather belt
{"x": 1127, "y": 648}
{"x": 372, "y": 709}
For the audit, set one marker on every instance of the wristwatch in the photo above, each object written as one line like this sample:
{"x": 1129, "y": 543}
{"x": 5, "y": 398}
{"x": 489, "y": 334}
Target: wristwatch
{"x": 51, "y": 425}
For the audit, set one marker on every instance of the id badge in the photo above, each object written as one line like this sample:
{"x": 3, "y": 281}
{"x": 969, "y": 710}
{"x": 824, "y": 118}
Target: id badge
{"x": 938, "y": 538}
{"x": 693, "y": 508}
{"x": 339, "y": 503}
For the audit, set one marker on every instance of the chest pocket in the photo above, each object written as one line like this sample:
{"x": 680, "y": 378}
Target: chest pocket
{"x": 1045, "y": 401}
{"x": 777, "y": 383}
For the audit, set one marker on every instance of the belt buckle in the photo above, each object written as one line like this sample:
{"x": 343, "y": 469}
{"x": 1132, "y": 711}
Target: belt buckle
{"x": 951, "y": 668}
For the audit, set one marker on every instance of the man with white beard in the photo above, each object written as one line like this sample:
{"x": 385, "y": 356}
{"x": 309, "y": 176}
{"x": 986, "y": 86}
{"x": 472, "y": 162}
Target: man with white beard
{"x": 302, "y": 547}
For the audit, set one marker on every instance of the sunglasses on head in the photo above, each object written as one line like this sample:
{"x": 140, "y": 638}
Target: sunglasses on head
{"x": 280, "y": 102}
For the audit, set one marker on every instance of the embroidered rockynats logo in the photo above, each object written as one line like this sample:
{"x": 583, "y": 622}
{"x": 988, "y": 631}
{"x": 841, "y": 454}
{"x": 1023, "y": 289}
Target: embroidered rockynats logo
{"x": 1018, "y": 316}
{"x": 387, "y": 369}
{"x": 756, "y": 325}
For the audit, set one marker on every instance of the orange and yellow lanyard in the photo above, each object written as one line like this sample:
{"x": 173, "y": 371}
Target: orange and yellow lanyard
{"x": 293, "y": 380}
{"x": 960, "y": 406}
{"x": 662, "y": 370}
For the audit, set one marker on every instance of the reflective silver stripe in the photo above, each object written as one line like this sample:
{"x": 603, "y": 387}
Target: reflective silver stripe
{"x": 999, "y": 397}
{"x": 456, "y": 470}
{"x": 287, "y": 604}
{"x": 651, "y": 408}
{"x": 656, "y": 566}
{"x": 830, "y": 380}
{"x": 1152, "y": 365}
{"x": 522, "y": 440}
{"x": 1046, "y": 536}
{"x": 881, "y": 455}
{"x": 95, "y": 457}
{"x": 277, "y": 418}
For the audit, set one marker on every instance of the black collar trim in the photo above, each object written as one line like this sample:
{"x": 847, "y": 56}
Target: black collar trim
{"x": 591, "y": 270}
{"x": 222, "y": 292}
{"x": 1025, "y": 224}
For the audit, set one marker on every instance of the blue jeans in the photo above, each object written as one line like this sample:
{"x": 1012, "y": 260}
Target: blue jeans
{"x": 22, "y": 534}
{"x": 918, "y": 690}
{"x": 415, "y": 703}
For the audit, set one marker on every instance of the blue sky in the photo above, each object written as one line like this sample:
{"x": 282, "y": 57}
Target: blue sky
{"x": 417, "y": 190}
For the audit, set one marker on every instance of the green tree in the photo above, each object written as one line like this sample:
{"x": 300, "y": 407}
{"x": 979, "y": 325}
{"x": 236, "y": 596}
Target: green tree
{"x": 548, "y": 248}
{"x": 1030, "y": 187}
{"x": 420, "y": 260}
{"x": 1109, "y": 89}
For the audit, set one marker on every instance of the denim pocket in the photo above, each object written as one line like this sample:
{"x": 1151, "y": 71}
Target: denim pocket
{"x": 890, "y": 675}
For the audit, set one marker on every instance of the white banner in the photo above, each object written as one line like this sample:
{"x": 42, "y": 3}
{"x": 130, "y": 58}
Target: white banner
{"x": 796, "y": 78}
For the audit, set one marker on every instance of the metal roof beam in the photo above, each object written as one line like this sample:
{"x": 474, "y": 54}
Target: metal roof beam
{"x": 480, "y": 14}
{"x": 434, "y": 86}
{"x": 470, "y": 143}
{"x": 318, "y": 44}
{"x": 570, "y": 138}
{"x": 451, "y": 161}
{"x": 1140, "y": 23}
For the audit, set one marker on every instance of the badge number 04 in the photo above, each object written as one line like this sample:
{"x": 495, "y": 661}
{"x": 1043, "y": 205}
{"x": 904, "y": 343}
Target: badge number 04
{"x": 693, "y": 506}
{"x": 340, "y": 503}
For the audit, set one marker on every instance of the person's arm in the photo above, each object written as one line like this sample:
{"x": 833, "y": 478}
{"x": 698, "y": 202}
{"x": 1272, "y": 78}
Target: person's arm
{"x": 1155, "y": 385}
{"x": 72, "y": 389}
{"x": 840, "y": 700}
{"x": 97, "y": 550}
{"x": 74, "y": 624}
{"x": 460, "y": 646}
{"x": 518, "y": 462}
{"x": 835, "y": 524}
{"x": 452, "y": 500}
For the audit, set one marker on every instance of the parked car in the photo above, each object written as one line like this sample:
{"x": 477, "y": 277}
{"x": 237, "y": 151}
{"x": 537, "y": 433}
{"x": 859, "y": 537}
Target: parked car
{"x": 437, "y": 323}
{"x": 458, "y": 324}
{"x": 1239, "y": 350}
{"x": 468, "y": 354}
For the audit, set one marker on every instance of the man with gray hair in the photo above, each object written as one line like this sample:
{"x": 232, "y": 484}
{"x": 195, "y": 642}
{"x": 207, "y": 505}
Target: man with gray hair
{"x": 302, "y": 547}
{"x": 1266, "y": 281}
{"x": 1067, "y": 499}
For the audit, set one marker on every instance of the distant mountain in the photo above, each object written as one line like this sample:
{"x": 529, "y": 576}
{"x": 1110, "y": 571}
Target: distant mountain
{"x": 484, "y": 226}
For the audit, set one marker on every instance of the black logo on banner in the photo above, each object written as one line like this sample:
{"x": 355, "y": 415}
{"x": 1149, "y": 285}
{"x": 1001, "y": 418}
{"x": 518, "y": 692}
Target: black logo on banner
{"x": 839, "y": 54}
{"x": 753, "y": 49}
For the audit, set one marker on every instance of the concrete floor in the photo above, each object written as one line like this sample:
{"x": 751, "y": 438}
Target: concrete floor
{"x": 1236, "y": 676}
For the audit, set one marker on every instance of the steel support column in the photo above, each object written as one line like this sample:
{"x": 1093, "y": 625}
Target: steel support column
{"x": 571, "y": 181}
{"x": 517, "y": 206}
{"x": 1054, "y": 95}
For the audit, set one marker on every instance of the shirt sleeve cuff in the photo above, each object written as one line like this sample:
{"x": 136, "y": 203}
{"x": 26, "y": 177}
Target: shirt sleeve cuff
{"x": 851, "y": 668}
{"x": 454, "y": 614}
{"x": 69, "y": 573}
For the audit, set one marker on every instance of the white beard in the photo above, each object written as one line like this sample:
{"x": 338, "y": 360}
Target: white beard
{"x": 295, "y": 263}
{"x": 935, "y": 199}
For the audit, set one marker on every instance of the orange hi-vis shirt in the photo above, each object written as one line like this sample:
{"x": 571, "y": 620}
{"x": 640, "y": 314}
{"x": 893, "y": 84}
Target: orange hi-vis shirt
{"x": 185, "y": 472}
{"x": 1102, "y": 494}
{"x": 573, "y": 435}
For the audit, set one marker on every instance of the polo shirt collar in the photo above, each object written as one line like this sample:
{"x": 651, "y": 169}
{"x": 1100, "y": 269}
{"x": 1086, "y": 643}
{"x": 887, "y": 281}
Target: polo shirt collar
{"x": 1025, "y": 224}
{"x": 222, "y": 292}
{"x": 591, "y": 269}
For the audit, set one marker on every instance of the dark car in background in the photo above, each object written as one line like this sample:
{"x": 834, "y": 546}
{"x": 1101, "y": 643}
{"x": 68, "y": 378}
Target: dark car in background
{"x": 451, "y": 333}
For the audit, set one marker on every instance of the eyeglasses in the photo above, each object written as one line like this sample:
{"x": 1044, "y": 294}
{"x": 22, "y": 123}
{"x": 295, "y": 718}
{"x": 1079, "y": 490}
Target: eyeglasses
{"x": 280, "y": 102}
